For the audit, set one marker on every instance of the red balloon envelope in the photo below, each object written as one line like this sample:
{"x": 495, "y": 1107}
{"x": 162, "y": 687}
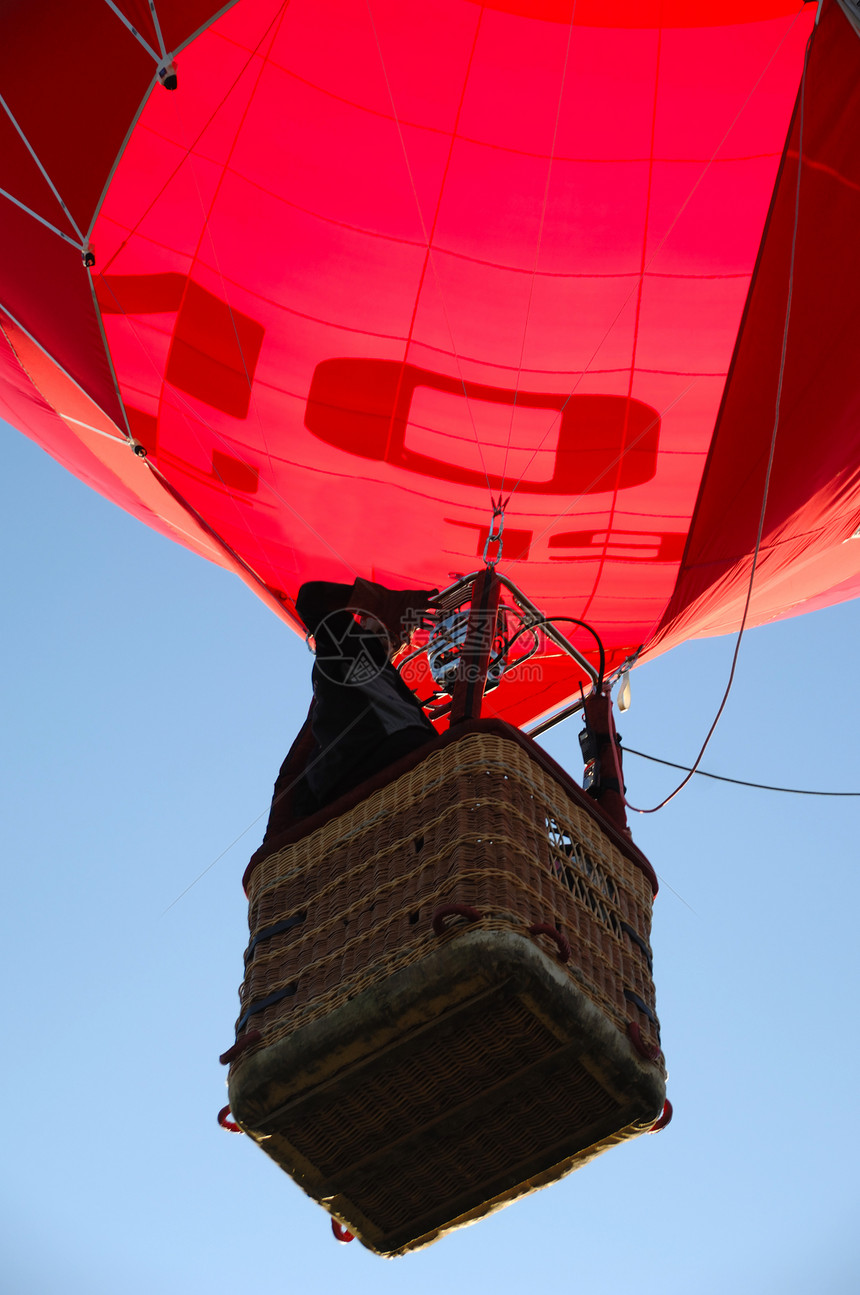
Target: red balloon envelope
{"x": 371, "y": 266}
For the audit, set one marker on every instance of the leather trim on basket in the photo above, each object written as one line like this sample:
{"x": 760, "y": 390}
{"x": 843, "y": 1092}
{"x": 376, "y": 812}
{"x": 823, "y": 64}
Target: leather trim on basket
{"x": 493, "y": 726}
{"x": 641, "y": 1005}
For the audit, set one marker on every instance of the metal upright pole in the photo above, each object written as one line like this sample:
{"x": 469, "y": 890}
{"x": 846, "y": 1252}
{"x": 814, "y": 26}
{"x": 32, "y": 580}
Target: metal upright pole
{"x": 607, "y": 785}
{"x": 475, "y": 658}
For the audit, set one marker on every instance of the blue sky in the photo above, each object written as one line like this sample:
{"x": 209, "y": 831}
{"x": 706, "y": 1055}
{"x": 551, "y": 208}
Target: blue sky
{"x": 148, "y": 701}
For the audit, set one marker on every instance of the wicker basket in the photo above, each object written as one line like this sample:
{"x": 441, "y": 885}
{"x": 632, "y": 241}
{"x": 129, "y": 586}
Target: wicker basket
{"x": 448, "y": 997}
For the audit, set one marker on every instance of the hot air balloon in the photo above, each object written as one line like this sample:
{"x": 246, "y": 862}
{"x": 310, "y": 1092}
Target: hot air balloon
{"x": 326, "y": 290}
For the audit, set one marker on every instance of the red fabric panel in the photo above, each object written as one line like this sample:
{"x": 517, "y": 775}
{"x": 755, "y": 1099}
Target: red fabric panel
{"x": 22, "y": 404}
{"x": 364, "y": 407}
{"x": 22, "y": 178}
{"x": 48, "y": 291}
{"x": 644, "y": 13}
{"x": 214, "y": 352}
{"x": 814, "y": 495}
{"x": 139, "y": 15}
{"x": 357, "y": 276}
{"x": 139, "y": 294}
{"x": 591, "y": 302}
{"x": 74, "y": 78}
{"x": 90, "y": 446}
{"x": 842, "y": 592}
{"x": 179, "y": 19}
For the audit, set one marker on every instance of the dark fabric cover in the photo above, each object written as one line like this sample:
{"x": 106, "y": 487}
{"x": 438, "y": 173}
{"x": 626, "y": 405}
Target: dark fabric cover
{"x": 363, "y": 716}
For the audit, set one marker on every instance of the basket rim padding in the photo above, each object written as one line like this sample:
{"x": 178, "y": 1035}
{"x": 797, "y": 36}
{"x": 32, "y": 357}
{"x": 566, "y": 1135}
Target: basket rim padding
{"x": 324, "y": 1047}
{"x": 330, "y": 1052}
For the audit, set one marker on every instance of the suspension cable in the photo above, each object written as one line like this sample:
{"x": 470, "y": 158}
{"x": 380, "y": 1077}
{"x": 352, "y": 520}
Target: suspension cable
{"x": 738, "y": 782}
{"x": 554, "y": 620}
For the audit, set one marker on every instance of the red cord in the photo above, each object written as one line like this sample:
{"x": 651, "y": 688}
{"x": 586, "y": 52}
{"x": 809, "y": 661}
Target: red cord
{"x": 453, "y": 910}
{"x": 230, "y": 1125}
{"x": 664, "y": 1119}
{"x": 644, "y": 1049}
{"x": 543, "y": 928}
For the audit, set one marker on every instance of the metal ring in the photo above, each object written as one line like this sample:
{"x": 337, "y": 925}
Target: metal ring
{"x": 494, "y": 536}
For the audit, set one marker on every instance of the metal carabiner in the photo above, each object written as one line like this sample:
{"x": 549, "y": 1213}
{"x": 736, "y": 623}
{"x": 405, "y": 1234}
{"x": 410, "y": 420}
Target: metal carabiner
{"x": 494, "y": 536}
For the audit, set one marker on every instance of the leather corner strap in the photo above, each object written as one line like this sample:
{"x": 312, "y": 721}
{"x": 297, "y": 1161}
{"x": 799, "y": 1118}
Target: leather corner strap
{"x": 239, "y": 1047}
{"x": 254, "y": 1036}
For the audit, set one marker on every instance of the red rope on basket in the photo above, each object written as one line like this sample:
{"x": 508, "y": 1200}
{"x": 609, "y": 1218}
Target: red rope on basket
{"x": 239, "y": 1047}
{"x": 229, "y": 1125}
{"x": 665, "y": 1118}
{"x": 543, "y": 928}
{"x": 644, "y": 1049}
{"x": 341, "y": 1233}
{"x": 453, "y": 910}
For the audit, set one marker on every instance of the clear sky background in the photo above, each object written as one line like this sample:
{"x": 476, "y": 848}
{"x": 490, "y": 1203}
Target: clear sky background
{"x": 148, "y": 701}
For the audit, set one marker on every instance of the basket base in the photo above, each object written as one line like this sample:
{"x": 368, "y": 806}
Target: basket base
{"x": 460, "y": 1082}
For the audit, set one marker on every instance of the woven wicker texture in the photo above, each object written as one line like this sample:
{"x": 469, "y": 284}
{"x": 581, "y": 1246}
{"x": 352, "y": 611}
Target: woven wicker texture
{"x": 412, "y": 1068}
{"x": 399, "y": 1192}
{"x": 476, "y": 823}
